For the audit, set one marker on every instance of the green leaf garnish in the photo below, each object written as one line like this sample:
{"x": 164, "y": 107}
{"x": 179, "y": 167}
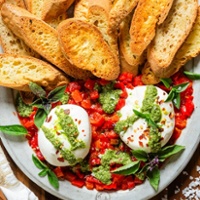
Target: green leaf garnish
{"x": 168, "y": 151}
{"x": 39, "y": 164}
{"x": 140, "y": 155}
{"x": 53, "y": 179}
{"x": 147, "y": 117}
{"x": 128, "y": 169}
{"x": 56, "y": 94}
{"x": 14, "y": 130}
{"x": 37, "y": 90}
{"x": 191, "y": 75}
{"x": 166, "y": 81}
{"x": 154, "y": 177}
{"x": 45, "y": 171}
{"x": 43, "y": 103}
{"x": 174, "y": 94}
{"x": 40, "y": 117}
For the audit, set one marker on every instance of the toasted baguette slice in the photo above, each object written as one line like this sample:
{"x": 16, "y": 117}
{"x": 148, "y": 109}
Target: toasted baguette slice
{"x": 41, "y": 37}
{"x": 98, "y": 16}
{"x": 126, "y": 67}
{"x": 19, "y": 3}
{"x": 35, "y": 7}
{"x": 83, "y": 44}
{"x": 189, "y": 50}
{"x": 81, "y": 9}
{"x": 119, "y": 10}
{"x": 124, "y": 44}
{"x": 148, "y": 77}
{"x": 143, "y": 25}
{"x": 11, "y": 43}
{"x": 18, "y": 71}
{"x": 52, "y": 9}
{"x": 171, "y": 34}
{"x": 54, "y": 22}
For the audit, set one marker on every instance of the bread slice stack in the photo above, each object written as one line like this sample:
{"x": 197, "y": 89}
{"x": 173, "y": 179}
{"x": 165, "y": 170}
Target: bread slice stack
{"x": 171, "y": 34}
{"x": 40, "y": 37}
{"x": 84, "y": 46}
{"x": 145, "y": 18}
{"x": 9, "y": 41}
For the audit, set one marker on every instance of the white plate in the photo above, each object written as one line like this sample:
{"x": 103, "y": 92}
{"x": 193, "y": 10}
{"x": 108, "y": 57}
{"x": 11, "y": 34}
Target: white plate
{"x": 21, "y": 152}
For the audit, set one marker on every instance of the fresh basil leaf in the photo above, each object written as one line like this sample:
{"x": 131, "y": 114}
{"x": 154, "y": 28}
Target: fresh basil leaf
{"x": 14, "y": 130}
{"x": 154, "y": 177}
{"x": 37, "y": 90}
{"x": 128, "y": 169}
{"x": 170, "y": 96}
{"x": 140, "y": 155}
{"x": 56, "y": 94}
{"x": 40, "y": 117}
{"x": 147, "y": 117}
{"x": 177, "y": 100}
{"x": 167, "y": 82}
{"x": 181, "y": 87}
{"x": 39, "y": 164}
{"x": 191, "y": 75}
{"x": 44, "y": 172}
{"x": 168, "y": 151}
{"x": 53, "y": 179}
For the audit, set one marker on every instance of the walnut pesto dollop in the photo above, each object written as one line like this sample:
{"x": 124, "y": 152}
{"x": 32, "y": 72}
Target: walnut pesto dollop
{"x": 65, "y": 137}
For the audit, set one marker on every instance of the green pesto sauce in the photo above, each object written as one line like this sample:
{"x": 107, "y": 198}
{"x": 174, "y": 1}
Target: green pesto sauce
{"x": 23, "y": 109}
{"x": 65, "y": 98}
{"x": 109, "y": 98}
{"x": 148, "y": 107}
{"x": 102, "y": 172}
{"x": 123, "y": 125}
{"x": 69, "y": 130}
{"x": 149, "y": 98}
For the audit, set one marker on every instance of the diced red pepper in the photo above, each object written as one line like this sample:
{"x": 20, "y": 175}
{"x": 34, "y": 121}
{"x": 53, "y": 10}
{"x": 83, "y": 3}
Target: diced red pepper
{"x": 73, "y": 86}
{"x": 78, "y": 183}
{"x": 89, "y": 84}
{"x": 58, "y": 171}
{"x": 77, "y": 96}
{"x": 70, "y": 176}
{"x": 96, "y": 119}
{"x": 120, "y": 104}
{"x": 94, "y": 95}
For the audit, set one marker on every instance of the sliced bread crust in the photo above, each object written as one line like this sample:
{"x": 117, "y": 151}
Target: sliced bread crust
{"x": 144, "y": 21}
{"x": 171, "y": 34}
{"x": 119, "y": 10}
{"x": 189, "y": 49}
{"x": 124, "y": 44}
{"x": 41, "y": 37}
{"x": 51, "y": 9}
{"x": 18, "y": 71}
{"x": 83, "y": 44}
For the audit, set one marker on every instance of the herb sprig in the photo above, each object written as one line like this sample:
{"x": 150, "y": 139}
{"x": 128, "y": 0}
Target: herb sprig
{"x": 151, "y": 169}
{"x": 191, "y": 75}
{"x": 45, "y": 171}
{"x": 15, "y": 130}
{"x": 174, "y": 94}
{"x": 44, "y": 102}
{"x": 147, "y": 117}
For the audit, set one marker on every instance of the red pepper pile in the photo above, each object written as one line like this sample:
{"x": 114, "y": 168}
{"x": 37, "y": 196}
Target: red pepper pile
{"x": 86, "y": 95}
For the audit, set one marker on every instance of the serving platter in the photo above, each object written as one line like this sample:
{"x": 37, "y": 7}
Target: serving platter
{"x": 21, "y": 153}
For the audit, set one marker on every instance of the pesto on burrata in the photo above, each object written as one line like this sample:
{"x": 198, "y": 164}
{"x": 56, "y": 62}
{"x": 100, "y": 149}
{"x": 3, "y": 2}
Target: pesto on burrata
{"x": 154, "y": 131}
{"x": 65, "y": 137}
